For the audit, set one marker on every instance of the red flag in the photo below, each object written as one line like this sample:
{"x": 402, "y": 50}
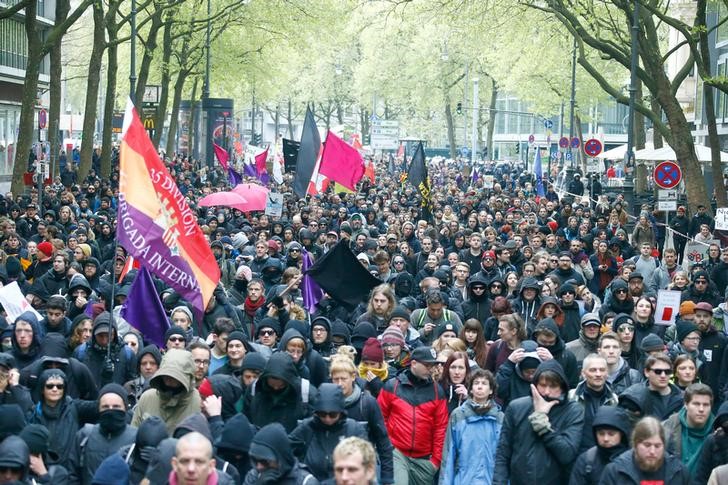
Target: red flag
{"x": 129, "y": 264}
{"x": 221, "y": 154}
{"x": 369, "y": 172}
{"x": 400, "y": 151}
{"x": 341, "y": 163}
{"x": 260, "y": 162}
{"x": 356, "y": 142}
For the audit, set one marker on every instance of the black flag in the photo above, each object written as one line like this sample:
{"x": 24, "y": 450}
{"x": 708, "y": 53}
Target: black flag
{"x": 290, "y": 154}
{"x": 308, "y": 155}
{"x": 417, "y": 176}
{"x": 342, "y": 276}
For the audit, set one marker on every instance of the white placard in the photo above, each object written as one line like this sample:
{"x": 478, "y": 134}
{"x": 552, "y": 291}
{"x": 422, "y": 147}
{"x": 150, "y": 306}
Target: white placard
{"x": 488, "y": 182}
{"x": 14, "y": 303}
{"x": 667, "y": 194}
{"x": 666, "y": 205}
{"x": 721, "y": 218}
{"x": 696, "y": 252}
{"x": 274, "y": 204}
{"x": 668, "y": 306}
{"x": 593, "y": 165}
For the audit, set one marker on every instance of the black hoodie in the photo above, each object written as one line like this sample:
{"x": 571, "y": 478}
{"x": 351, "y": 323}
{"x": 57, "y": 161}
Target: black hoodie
{"x": 524, "y": 456}
{"x": 150, "y": 433}
{"x": 311, "y": 365}
{"x": 326, "y": 348}
{"x": 313, "y": 442}
{"x": 265, "y": 405}
{"x": 271, "y": 443}
{"x": 563, "y": 356}
{"x": 590, "y": 464}
{"x": 477, "y": 306}
{"x": 234, "y": 441}
{"x": 14, "y": 453}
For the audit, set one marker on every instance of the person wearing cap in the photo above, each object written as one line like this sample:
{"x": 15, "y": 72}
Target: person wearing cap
{"x": 514, "y": 376}
{"x": 93, "y": 443}
{"x": 314, "y": 439}
{"x": 488, "y": 268}
{"x": 611, "y": 429}
{"x": 413, "y": 405}
{"x": 592, "y": 392}
{"x": 565, "y": 270}
{"x": 107, "y": 365}
{"x": 541, "y": 432}
{"x": 588, "y": 340}
{"x": 711, "y": 348}
{"x": 172, "y": 394}
{"x": 701, "y": 289}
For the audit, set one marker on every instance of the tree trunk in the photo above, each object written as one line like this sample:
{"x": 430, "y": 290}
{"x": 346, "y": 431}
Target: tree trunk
{"x": 450, "y": 128}
{"x": 638, "y": 133}
{"x": 491, "y": 118}
{"x": 364, "y": 119}
{"x": 657, "y": 141}
{"x": 579, "y": 157}
{"x": 176, "y": 100}
{"x": 194, "y": 121}
{"x": 92, "y": 90}
{"x": 30, "y": 93}
{"x": 166, "y": 56}
{"x": 289, "y": 119}
{"x": 54, "y": 109}
{"x": 709, "y": 103}
{"x": 112, "y": 65}
{"x": 149, "y": 47}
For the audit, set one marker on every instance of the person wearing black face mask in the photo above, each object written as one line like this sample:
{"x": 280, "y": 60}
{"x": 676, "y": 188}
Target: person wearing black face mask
{"x": 172, "y": 395}
{"x": 94, "y": 443}
{"x": 552, "y": 346}
{"x": 138, "y": 455}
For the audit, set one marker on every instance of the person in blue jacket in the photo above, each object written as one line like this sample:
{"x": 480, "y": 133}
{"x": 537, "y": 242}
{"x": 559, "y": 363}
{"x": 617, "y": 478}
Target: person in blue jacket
{"x": 471, "y": 439}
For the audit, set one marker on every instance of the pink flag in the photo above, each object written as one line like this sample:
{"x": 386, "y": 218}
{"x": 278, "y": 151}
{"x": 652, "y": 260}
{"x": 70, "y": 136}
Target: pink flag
{"x": 221, "y": 154}
{"x": 260, "y": 162}
{"x": 341, "y": 163}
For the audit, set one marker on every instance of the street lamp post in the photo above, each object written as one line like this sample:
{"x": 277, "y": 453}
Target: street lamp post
{"x": 132, "y": 57}
{"x": 570, "y": 167}
{"x": 476, "y": 109}
{"x": 629, "y": 155}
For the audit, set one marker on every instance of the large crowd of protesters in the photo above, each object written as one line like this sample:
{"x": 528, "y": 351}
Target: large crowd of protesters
{"x": 513, "y": 339}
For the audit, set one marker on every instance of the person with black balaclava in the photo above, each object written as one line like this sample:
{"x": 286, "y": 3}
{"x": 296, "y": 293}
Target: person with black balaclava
{"x": 314, "y": 439}
{"x": 93, "y": 443}
{"x": 44, "y": 467}
{"x": 233, "y": 444}
{"x": 14, "y": 461}
{"x": 138, "y": 454}
{"x": 273, "y": 460}
{"x": 478, "y": 304}
{"x": 611, "y": 430}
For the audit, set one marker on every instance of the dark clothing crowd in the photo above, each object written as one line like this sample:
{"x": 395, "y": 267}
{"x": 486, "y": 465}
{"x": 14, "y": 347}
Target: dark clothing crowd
{"x": 511, "y": 337}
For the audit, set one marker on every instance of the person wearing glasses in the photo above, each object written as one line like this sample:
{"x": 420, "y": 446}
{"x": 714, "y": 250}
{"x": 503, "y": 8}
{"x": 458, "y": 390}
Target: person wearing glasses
{"x": 175, "y": 338}
{"x": 663, "y": 398}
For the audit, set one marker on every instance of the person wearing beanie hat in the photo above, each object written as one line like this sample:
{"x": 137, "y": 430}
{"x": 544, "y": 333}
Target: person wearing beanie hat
{"x": 175, "y": 338}
{"x": 93, "y": 444}
{"x": 701, "y": 289}
{"x": 687, "y": 310}
{"x": 112, "y": 471}
{"x": 267, "y": 332}
{"x": 687, "y": 341}
{"x": 45, "y": 251}
{"x": 372, "y": 366}
{"x": 314, "y": 439}
{"x": 236, "y": 349}
{"x": 252, "y": 367}
{"x": 321, "y": 336}
{"x": 181, "y": 316}
{"x": 172, "y": 394}
{"x": 652, "y": 344}
{"x": 36, "y": 436}
{"x": 14, "y": 460}
{"x": 396, "y": 352}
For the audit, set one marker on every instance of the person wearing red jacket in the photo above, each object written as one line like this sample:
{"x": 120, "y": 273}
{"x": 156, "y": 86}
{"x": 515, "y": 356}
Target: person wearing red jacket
{"x": 415, "y": 413}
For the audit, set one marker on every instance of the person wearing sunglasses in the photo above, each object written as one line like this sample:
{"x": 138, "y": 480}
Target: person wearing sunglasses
{"x": 314, "y": 439}
{"x": 59, "y": 412}
{"x": 664, "y": 398}
{"x": 267, "y": 332}
{"x": 617, "y": 299}
{"x": 175, "y": 338}
{"x": 701, "y": 289}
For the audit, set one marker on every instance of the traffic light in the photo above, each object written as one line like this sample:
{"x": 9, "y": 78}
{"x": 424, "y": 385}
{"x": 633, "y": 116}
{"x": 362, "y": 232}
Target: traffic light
{"x": 256, "y": 139}
{"x": 459, "y": 108}
{"x": 518, "y": 148}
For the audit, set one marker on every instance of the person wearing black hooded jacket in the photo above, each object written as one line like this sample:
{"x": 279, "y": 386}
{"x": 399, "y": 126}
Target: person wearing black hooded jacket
{"x": 321, "y": 336}
{"x": 478, "y": 304}
{"x": 279, "y": 394}
{"x": 314, "y": 439}
{"x": 544, "y": 334}
{"x": 80, "y": 382}
{"x": 107, "y": 365}
{"x": 310, "y": 365}
{"x": 15, "y": 455}
{"x": 233, "y": 443}
{"x": 528, "y": 302}
{"x": 589, "y": 466}
{"x": 138, "y": 454}
{"x": 541, "y": 433}
{"x": 270, "y": 444}
{"x": 26, "y": 339}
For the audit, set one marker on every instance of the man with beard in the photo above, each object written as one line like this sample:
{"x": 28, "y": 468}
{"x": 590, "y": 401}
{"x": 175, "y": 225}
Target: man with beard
{"x": 647, "y": 461}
